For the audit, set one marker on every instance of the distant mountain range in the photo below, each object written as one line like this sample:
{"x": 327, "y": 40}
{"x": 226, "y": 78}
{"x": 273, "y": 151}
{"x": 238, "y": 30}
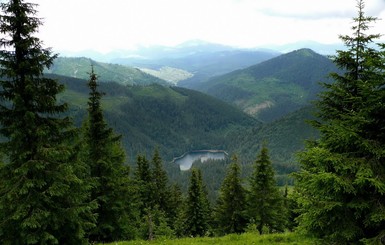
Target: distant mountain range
{"x": 194, "y": 47}
{"x": 204, "y": 65}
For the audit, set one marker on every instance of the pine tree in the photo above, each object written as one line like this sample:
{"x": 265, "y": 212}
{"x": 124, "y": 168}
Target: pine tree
{"x": 197, "y": 210}
{"x": 175, "y": 209}
{"x": 153, "y": 196}
{"x": 341, "y": 186}
{"x": 143, "y": 183}
{"x": 42, "y": 194}
{"x": 108, "y": 171}
{"x": 231, "y": 206}
{"x": 161, "y": 192}
{"x": 265, "y": 202}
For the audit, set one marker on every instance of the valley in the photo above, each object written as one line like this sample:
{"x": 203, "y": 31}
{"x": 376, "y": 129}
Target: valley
{"x": 235, "y": 112}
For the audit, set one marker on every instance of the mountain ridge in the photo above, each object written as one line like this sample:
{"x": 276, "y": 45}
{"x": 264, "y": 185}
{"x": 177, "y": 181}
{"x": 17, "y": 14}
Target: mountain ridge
{"x": 80, "y": 67}
{"x": 275, "y": 87}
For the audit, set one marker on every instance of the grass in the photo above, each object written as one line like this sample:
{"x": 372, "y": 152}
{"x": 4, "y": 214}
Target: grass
{"x": 232, "y": 239}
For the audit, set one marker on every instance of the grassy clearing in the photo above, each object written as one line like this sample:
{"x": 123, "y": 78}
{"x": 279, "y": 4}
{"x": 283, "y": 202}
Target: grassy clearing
{"x": 233, "y": 239}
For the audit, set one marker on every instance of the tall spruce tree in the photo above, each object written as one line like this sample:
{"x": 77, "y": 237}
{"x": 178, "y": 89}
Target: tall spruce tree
{"x": 161, "y": 191}
{"x": 341, "y": 185}
{"x": 197, "y": 210}
{"x": 154, "y": 197}
{"x": 176, "y": 209}
{"x": 265, "y": 202}
{"x": 143, "y": 183}
{"x": 109, "y": 173}
{"x": 231, "y": 205}
{"x": 42, "y": 194}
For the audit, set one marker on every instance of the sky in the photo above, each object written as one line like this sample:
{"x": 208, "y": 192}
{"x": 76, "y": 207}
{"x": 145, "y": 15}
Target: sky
{"x": 107, "y": 25}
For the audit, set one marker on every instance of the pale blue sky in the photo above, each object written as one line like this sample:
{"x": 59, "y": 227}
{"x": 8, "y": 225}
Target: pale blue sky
{"x": 105, "y": 25}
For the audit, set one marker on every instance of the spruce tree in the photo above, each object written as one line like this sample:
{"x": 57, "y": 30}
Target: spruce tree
{"x": 231, "y": 205}
{"x": 143, "y": 183}
{"x": 176, "y": 209}
{"x": 43, "y": 197}
{"x": 341, "y": 185}
{"x": 161, "y": 192}
{"x": 109, "y": 173}
{"x": 197, "y": 209}
{"x": 265, "y": 202}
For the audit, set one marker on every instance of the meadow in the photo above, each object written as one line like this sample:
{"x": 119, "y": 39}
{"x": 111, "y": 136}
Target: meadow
{"x": 249, "y": 238}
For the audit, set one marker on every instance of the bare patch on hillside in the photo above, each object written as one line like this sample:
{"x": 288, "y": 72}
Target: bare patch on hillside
{"x": 255, "y": 109}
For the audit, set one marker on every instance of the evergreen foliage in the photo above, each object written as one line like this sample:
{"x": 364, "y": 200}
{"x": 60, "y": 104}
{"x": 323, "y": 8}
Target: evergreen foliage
{"x": 161, "y": 193}
{"x": 43, "y": 197}
{"x": 154, "y": 197}
{"x": 143, "y": 183}
{"x": 231, "y": 205}
{"x": 341, "y": 187}
{"x": 265, "y": 202}
{"x": 197, "y": 206}
{"x": 176, "y": 210}
{"x": 109, "y": 173}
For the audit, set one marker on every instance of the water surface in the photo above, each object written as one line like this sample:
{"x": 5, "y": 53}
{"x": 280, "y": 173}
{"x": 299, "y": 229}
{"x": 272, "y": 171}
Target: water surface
{"x": 186, "y": 160}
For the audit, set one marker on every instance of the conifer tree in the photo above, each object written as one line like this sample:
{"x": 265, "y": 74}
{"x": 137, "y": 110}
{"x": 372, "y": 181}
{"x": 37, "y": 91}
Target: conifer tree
{"x": 231, "y": 206}
{"x": 197, "y": 210}
{"x": 341, "y": 186}
{"x": 176, "y": 209}
{"x": 265, "y": 202}
{"x": 161, "y": 192}
{"x": 143, "y": 182}
{"x": 109, "y": 173}
{"x": 43, "y": 198}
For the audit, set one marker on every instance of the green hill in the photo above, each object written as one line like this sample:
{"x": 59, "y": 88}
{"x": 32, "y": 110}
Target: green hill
{"x": 284, "y": 138}
{"x": 175, "y": 119}
{"x": 275, "y": 87}
{"x": 80, "y": 68}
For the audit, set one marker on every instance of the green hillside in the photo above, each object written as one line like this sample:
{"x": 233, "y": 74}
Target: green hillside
{"x": 275, "y": 87}
{"x": 175, "y": 119}
{"x": 80, "y": 67}
{"x": 284, "y": 138}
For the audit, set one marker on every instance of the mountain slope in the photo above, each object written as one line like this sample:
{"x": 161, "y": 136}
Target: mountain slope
{"x": 275, "y": 87}
{"x": 80, "y": 68}
{"x": 175, "y": 119}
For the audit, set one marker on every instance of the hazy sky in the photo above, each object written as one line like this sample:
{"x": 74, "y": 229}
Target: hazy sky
{"x": 104, "y": 25}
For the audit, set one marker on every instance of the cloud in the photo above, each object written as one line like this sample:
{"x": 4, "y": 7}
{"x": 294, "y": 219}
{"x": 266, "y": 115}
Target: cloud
{"x": 314, "y": 9}
{"x": 123, "y": 24}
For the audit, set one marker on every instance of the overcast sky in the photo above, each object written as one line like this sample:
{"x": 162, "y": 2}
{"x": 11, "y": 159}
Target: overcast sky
{"x": 105, "y": 25}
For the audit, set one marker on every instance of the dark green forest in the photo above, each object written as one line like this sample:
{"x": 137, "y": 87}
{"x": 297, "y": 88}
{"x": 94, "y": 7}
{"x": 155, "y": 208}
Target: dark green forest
{"x": 86, "y": 161}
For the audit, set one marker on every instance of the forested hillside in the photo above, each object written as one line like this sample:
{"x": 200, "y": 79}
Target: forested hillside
{"x": 275, "y": 87}
{"x": 174, "y": 119}
{"x": 80, "y": 68}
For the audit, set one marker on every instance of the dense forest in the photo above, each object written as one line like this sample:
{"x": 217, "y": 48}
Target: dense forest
{"x": 65, "y": 177}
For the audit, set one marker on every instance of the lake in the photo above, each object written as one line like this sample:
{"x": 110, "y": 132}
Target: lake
{"x": 186, "y": 160}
